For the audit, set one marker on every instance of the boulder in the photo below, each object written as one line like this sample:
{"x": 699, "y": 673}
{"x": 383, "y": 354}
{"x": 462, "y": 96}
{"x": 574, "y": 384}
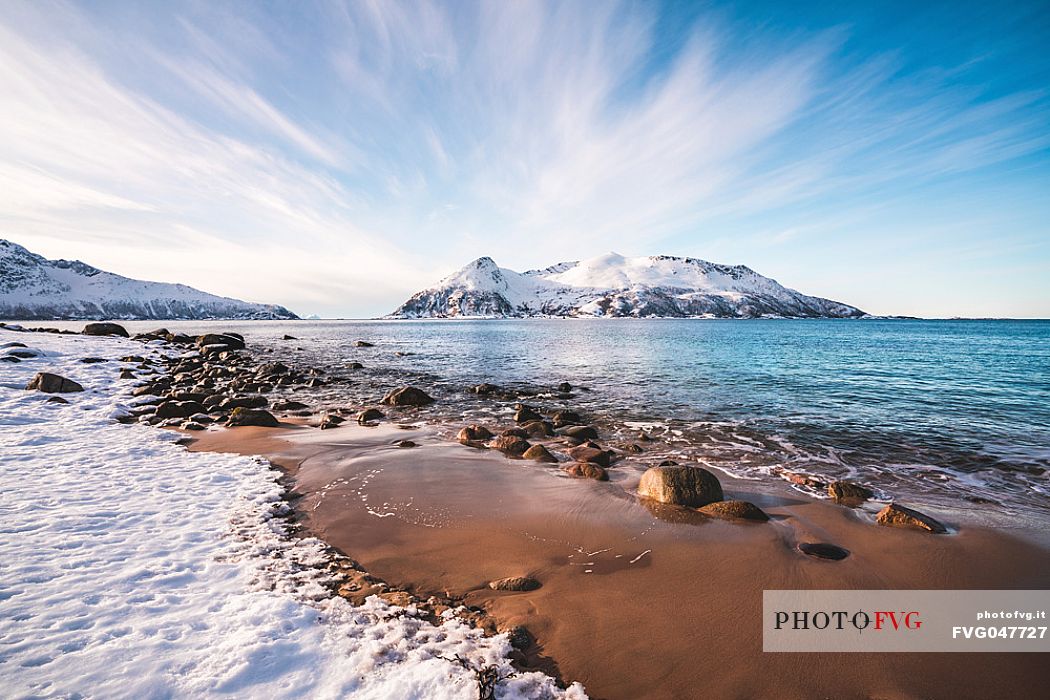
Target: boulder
{"x": 179, "y": 409}
{"x": 847, "y": 491}
{"x": 564, "y": 418}
{"x": 732, "y": 510}
{"x": 363, "y": 344}
{"x": 127, "y": 374}
{"x": 289, "y": 406}
{"x": 538, "y": 428}
{"x": 473, "y": 433}
{"x": 370, "y": 415}
{"x": 594, "y": 455}
{"x": 510, "y": 444}
{"x": 485, "y": 389}
{"x": 243, "y": 402}
{"x": 52, "y": 384}
{"x": 407, "y": 396}
{"x": 679, "y": 485}
{"x": 355, "y": 365}
{"x": 823, "y": 550}
{"x": 105, "y": 329}
{"x": 587, "y": 470}
{"x": 230, "y": 340}
{"x": 578, "y": 432}
{"x": 330, "y": 421}
{"x": 288, "y": 337}
{"x": 252, "y": 416}
{"x": 895, "y": 515}
{"x": 515, "y": 583}
{"x": 526, "y": 414}
{"x": 539, "y": 453}
{"x": 515, "y": 432}
{"x": 565, "y": 387}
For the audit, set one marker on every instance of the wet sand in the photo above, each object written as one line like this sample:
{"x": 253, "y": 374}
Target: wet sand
{"x": 639, "y": 602}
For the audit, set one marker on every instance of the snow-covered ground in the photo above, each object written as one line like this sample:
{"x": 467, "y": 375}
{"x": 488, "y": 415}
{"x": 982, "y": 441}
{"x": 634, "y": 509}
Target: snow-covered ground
{"x": 131, "y": 568}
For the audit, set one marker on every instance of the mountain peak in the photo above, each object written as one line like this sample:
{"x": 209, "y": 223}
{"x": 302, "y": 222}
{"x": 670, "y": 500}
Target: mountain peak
{"x": 615, "y": 285}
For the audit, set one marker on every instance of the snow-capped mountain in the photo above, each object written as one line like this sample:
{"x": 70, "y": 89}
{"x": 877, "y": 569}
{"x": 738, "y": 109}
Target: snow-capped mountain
{"x": 35, "y": 288}
{"x": 612, "y": 285}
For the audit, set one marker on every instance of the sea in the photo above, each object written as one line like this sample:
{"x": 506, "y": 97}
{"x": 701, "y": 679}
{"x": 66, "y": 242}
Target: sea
{"x": 953, "y": 413}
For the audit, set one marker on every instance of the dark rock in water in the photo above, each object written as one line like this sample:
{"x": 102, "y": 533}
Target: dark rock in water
{"x": 407, "y": 396}
{"x": 288, "y": 337}
{"x": 894, "y": 515}
{"x": 93, "y": 360}
{"x": 363, "y": 344}
{"x": 587, "y": 470}
{"x": 252, "y": 416}
{"x": 645, "y": 437}
{"x": 13, "y": 343}
{"x": 22, "y": 354}
{"x": 56, "y": 399}
{"x": 406, "y": 443}
{"x": 515, "y": 583}
{"x": 485, "y": 389}
{"x": 192, "y": 425}
{"x": 804, "y": 480}
{"x": 515, "y": 432}
{"x": 9, "y": 358}
{"x": 594, "y": 455}
{"x": 510, "y": 444}
{"x": 230, "y": 340}
{"x": 578, "y": 432}
{"x": 315, "y": 382}
{"x": 370, "y": 415}
{"x": 179, "y": 409}
{"x": 565, "y": 387}
{"x": 730, "y": 510}
{"x": 682, "y": 486}
{"x": 847, "y": 491}
{"x": 538, "y": 428}
{"x": 243, "y": 402}
{"x": 822, "y": 550}
{"x": 668, "y": 463}
{"x": 539, "y": 453}
{"x": 52, "y": 384}
{"x": 289, "y": 406}
{"x": 473, "y": 433}
{"x": 634, "y": 449}
{"x": 526, "y": 414}
{"x": 564, "y": 418}
{"x": 355, "y": 365}
{"x": 105, "y": 329}
{"x": 127, "y": 374}
{"x": 271, "y": 368}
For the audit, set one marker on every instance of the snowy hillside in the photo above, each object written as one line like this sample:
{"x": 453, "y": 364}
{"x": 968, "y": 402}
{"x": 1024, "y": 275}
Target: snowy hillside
{"x": 613, "y": 285}
{"x": 33, "y": 287}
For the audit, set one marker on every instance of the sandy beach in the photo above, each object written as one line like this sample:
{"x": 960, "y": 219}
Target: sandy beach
{"x": 637, "y": 600}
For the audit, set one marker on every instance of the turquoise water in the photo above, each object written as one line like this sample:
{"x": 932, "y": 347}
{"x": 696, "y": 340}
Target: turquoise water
{"x": 949, "y": 410}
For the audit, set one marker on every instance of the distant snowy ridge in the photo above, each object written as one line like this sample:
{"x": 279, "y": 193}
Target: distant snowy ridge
{"x": 616, "y": 286}
{"x": 35, "y": 288}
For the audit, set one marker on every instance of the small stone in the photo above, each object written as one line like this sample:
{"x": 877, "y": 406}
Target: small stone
{"x": 93, "y": 360}
{"x": 565, "y": 387}
{"x": 539, "y": 453}
{"x": 894, "y": 515}
{"x": 515, "y": 583}
{"x": 473, "y": 434}
{"x": 848, "y": 491}
{"x": 405, "y": 444}
{"x": 105, "y": 329}
{"x": 485, "y": 389}
{"x": 565, "y": 418}
{"x": 587, "y": 470}
{"x": 370, "y": 415}
{"x": 363, "y": 344}
{"x": 526, "y": 414}
{"x": 52, "y": 384}
{"x": 822, "y": 550}
{"x": 730, "y": 510}
{"x": 56, "y": 399}
{"x": 288, "y": 337}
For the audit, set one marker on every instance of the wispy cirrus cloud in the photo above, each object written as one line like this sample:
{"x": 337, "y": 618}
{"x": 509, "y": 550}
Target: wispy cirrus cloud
{"x": 335, "y": 156}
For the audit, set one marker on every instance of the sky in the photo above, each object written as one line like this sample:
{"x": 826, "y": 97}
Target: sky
{"x": 337, "y": 157}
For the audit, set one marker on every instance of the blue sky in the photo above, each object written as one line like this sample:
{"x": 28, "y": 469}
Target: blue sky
{"x": 336, "y": 157}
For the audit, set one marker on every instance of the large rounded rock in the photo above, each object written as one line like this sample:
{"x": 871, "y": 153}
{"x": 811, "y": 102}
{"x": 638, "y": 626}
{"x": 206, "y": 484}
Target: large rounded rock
{"x": 578, "y": 432}
{"x": 564, "y": 418}
{"x": 230, "y": 340}
{"x": 894, "y": 515}
{"x": 252, "y": 416}
{"x": 407, "y": 396}
{"x": 526, "y": 414}
{"x": 105, "y": 329}
{"x": 52, "y": 384}
{"x": 735, "y": 510}
{"x": 681, "y": 486}
{"x": 370, "y": 415}
{"x": 594, "y": 455}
